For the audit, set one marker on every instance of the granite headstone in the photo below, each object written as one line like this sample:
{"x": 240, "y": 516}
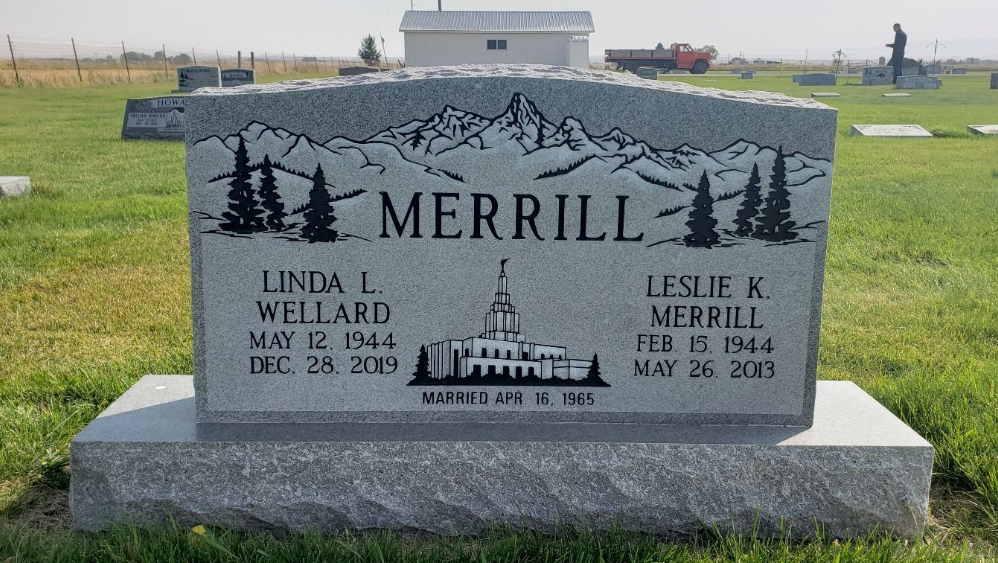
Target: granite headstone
{"x": 11, "y": 186}
{"x": 959, "y": 71}
{"x": 190, "y": 78}
{"x": 238, "y": 77}
{"x": 918, "y": 82}
{"x": 647, "y": 73}
{"x": 154, "y": 118}
{"x": 815, "y": 79}
{"x": 994, "y": 80}
{"x": 983, "y": 129}
{"x": 355, "y": 70}
{"x": 899, "y": 131}
{"x": 878, "y": 76}
{"x": 531, "y": 293}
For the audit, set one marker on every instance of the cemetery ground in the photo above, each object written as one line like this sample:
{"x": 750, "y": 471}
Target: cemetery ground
{"x": 95, "y": 292}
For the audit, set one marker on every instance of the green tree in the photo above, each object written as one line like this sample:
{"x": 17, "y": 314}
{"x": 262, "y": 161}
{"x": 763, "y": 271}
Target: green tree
{"x": 244, "y": 214}
{"x": 774, "y": 223}
{"x": 269, "y": 197}
{"x": 369, "y": 50}
{"x": 660, "y": 47}
{"x": 701, "y": 218}
{"x": 750, "y": 204}
{"x": 319, "y": 215}
{"x": 710, "y": 49}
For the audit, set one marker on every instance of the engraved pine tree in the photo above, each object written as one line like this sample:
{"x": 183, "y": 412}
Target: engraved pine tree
{"x": 750, "y": 204}
{"x": 701, "y": 219}
{"x": 270, "y": 198}
{"x": 244, "y": 215}
{"x": 774, "y": 223}
{"x": 593, "y": 375}
{"x": 319, "y": 215}
{"x": 422, "y": 373}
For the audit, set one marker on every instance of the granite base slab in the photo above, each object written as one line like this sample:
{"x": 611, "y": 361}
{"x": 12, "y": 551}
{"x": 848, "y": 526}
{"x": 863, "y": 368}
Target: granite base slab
{"x": 145, "y": 460}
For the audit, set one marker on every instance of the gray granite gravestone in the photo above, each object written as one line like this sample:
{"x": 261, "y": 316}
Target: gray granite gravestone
{"x": 818, "y": 79}
{"x": 896, "y": 95}
{"x": 238, "y": 77}
{"x": 959, "y": 71}
{"x": 878, "y": 76}
{"x": 917, "y": 82}
{"x": 647, "y": 73}
{"x": 748, "y": 75}
{"x": 423, "y": 269}
{"x": 190, "y": 78}
{"x": 825, "y": 94}
{"x": 994, "y": 80}
{"x": 154, "y": 118}
{"x": 899, "y": 131}
{"x": 11, "y": 186}
{"x": 736, "y": 71}
{"x": 983, "y": 129}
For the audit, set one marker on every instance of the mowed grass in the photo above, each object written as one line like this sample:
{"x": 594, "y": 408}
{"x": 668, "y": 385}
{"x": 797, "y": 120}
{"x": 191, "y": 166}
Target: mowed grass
{"x": 94, "y": 293}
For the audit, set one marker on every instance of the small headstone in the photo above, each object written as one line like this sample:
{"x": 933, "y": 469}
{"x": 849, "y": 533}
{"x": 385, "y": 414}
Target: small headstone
{"x": 890, "y": 131}
{"x": 499, "y": 266}
{"x": 959, "y": 71}
{"x": 815, "y": 79}
{"x": 918, "y": 82}
{"x": 994, "y": 80}
{"x": 748, "y": 75}
{"x": 678, "y": 71}
{"x": 190, "y": 78}
{"x": 355, "y": 70}
{"x": 878, "y": 76}
{"x": 896, "y": 95}
{"x": 825, "y": 94}
{"x": 983, "y": 129}
{"x": 647, "y": 72}
{"x": 238, "y": 77}
{"x": 154, "y": 118}
{"x": 852, "y": 71}
{"x": 934, "y": 68}
{"x": 736, "y": 71}
{"x": 11, "y": 186}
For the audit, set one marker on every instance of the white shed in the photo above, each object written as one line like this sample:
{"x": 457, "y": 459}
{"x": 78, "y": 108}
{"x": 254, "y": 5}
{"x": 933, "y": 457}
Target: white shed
{"x": 453, "y": 38}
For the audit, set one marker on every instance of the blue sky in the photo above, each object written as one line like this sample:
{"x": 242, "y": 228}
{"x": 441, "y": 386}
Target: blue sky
{"x": 774, "y": 28}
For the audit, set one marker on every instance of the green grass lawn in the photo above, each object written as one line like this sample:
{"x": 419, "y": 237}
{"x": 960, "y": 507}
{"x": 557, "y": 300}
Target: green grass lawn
{"x": 95, "y": 292}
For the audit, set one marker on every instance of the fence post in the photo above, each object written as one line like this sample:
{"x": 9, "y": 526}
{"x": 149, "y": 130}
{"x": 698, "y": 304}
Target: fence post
{"x": 77, "y": 59}
{"x": 195, "y": 56}
{"x": 239, "y": 59}
{"x": 218, "y": 58}
{"x": 324, "y": 67}
{"x": 267, "y": 57}
{"x": 252, "y": 60}
{"x": 125, "y": 56}
{"x": 17, "y": 77}
{"x": 166, "y": 65}
{"x": 285, "y": 61}
{"x": 294, "y": 59}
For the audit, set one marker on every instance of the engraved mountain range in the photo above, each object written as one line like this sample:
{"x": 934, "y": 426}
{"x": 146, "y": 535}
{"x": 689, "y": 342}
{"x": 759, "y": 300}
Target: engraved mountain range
{"x": 457, "y": 150}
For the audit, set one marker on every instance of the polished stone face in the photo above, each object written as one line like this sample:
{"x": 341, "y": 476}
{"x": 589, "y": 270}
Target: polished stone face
{"x": 155, "y": 118}
{"x": 190, "y": 78}
{"x": 238, "y": 77}
{"x": 515, "y": 243}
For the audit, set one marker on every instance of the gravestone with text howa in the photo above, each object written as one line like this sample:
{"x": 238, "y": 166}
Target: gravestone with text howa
{"x": 536, "y": 281}
{"x": 513, "y": 233}
{"x": 154, "y": 118}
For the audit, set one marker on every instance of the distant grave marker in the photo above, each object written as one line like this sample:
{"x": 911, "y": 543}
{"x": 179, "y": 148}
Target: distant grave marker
{"x": 818, "y": 79}
{"x": 355, "y": 70}
{"x": 11, "y": 186}
{"x": 825, "y": 94}
{"x": 994, "y": 80}
{"x": 896, "y": 95}
{"x": 878, "y": 76}
{"x": 983, "y": 129}
{"x": 899, "y": 131}
{"x": 190, "y": 78}
{"x": 154, "y": 118}
{"x": 238, "y": 77}
{"x": 918, "y": 82}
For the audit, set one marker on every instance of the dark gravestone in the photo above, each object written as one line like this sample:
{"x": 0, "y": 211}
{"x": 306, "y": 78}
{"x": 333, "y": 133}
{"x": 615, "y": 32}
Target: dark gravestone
{"x": 355, "y": 70}
{"x": 994, "y": 80}
{"x": 154, "y": 118}
{"x": 238, "y": 77}
{"x": 190, "y": 78}
{"x": 818, "y": 79}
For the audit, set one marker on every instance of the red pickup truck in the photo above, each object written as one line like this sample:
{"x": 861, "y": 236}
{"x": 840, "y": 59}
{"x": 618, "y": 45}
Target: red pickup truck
{"x": 678, "y": 55}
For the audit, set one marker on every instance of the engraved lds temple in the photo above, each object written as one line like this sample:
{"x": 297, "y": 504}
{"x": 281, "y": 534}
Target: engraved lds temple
{"x": 501, "y": 349}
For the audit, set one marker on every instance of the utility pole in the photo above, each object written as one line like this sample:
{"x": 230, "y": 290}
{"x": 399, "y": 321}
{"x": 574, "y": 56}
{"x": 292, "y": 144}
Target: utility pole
{"x": 17, "y": 76}
{"x": 78, "y": 72}
{"x": 218, "y": 58}
{"x": 839, "y": 55}
{"x": 383, "y": 52}
{"x": 440, "y": 7}
{"x": 935, "y": 49}
{"x": 166, "y": 65}
{"x": 123, "y": 54}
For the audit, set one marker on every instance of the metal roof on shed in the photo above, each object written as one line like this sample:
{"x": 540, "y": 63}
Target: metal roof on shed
{"x": 498, "y": 22}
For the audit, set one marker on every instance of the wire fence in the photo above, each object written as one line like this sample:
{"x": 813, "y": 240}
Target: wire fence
{"x": 26, "y": 62}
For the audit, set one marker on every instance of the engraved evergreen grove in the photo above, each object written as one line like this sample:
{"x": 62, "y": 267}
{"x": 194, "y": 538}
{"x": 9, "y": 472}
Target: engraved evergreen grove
{"x": 426, "y": 179}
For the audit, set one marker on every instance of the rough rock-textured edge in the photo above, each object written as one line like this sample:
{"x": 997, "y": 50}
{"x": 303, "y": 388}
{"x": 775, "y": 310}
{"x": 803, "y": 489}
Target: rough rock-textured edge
{"x": 11, "y": 186}
{"x": 517, "y": 71}
{"x": 144, "y": 460}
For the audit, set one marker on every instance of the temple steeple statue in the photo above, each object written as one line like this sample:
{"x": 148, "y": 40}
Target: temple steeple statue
{"x": 502, "y": 322}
